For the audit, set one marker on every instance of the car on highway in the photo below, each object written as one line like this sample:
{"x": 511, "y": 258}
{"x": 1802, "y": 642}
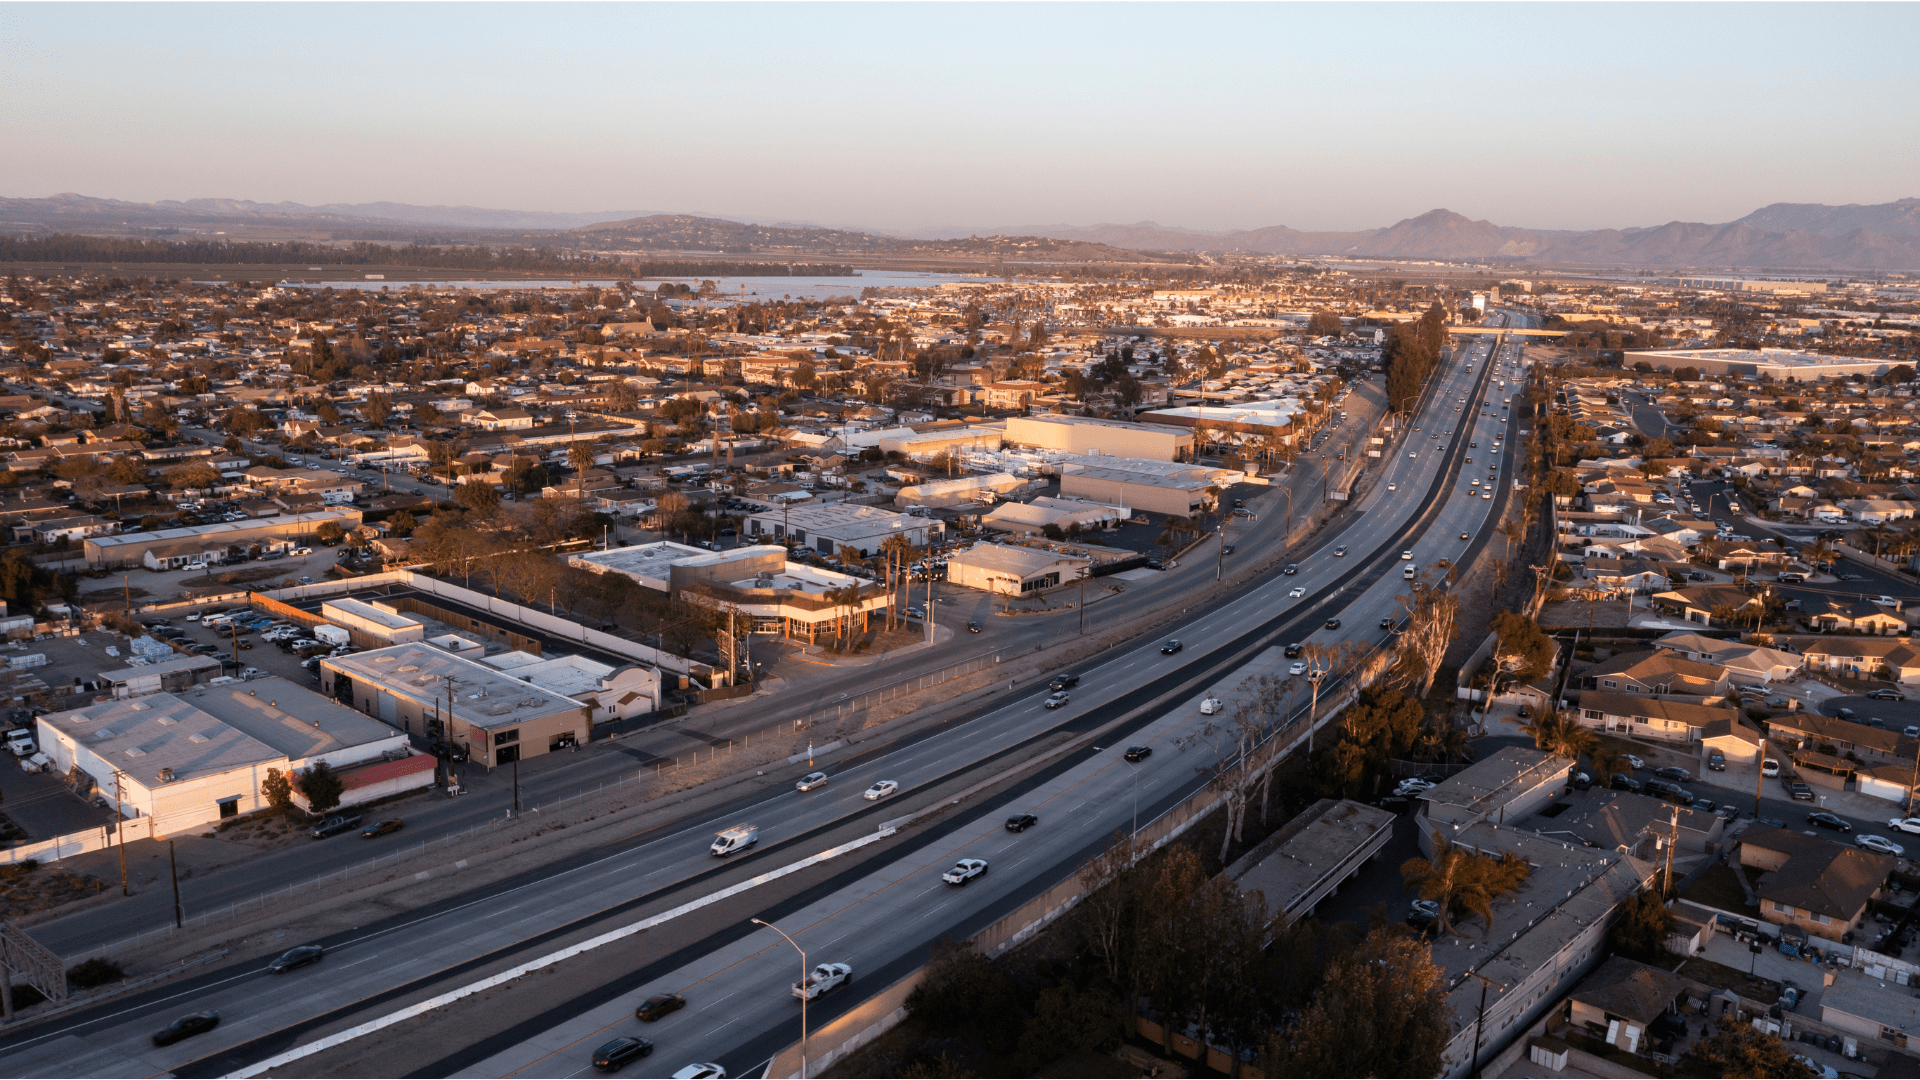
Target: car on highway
{"x": 1211, "y": 705}
{"x": 1063, "y": 682}
{"x": 1333, "y": 624}
{"x": 1340, "y": 552}
{"x": 1883, "y": 693}
{"x": 1395, "y": 487}
{"x": 1138, "y": 753}
{"x": 621, "y": 1052}
{"x": 1171, "y": 647}
{"x": 186, "y": 1027}
{"x": 880, "y": 790}
{"x": 973, "y": 626}
{"x": 811, "y": 781}
{"x": 1829, "y": 821}
{"x": 1296, "y": 593}
{"x": 1021, "y": 822}
{"x": 297, "y": 957}
{"x": 1386, "y": 623}
{"x": 659, "y": 1005}
{"x": 823, "y": 978}
{"x": 1465, "y": 536}
{"x": 1291, "y": 568}
{"x": 1406, "y": 556}
{"x": 1057, "y": 699}
{"x": 964, "y": 871}
{"x": 382, "y": 828}
{"x": 1880, "y": 844}
{"x": 1299, "y": 668}
{"x": 336, "y": 823}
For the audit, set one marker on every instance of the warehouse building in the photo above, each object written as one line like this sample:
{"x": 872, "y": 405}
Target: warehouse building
{"x": 609, "y": 692}
{"x": 372, "y": 626}
{"x": 1014, "y": 571}
{"x": 130, "y": 549}
{"x": 179, "y": 673}
{"x": 649, "y": 564}
{"x": 189, "y": 759}
{"x": 1088, "y": 435}
{"x": 934, "y": 441}
{"x": 1781, "y": 365}
{"x": 425, "y": 690}
{"x": 1032, "y": 518}
{"x": 828, "y": 528}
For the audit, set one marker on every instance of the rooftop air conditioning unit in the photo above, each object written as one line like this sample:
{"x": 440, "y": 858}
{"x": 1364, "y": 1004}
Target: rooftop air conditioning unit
{"x": 166, "y": 776}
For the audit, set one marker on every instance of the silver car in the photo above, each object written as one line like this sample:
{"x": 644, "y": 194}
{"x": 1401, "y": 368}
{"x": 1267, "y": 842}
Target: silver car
{"x": 811, "y": 781}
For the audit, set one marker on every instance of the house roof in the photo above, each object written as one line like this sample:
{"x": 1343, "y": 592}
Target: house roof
{"x": 1657, "y": 666}
{"x": 1698, "y": 716}
{"x": 1819, "y": 875}
{"x": 1630, "y": 990}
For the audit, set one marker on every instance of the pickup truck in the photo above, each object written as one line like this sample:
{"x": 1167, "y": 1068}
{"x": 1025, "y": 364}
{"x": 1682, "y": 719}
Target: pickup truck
{"x": 335, "y": 824}
{"x": 822, "y": 979}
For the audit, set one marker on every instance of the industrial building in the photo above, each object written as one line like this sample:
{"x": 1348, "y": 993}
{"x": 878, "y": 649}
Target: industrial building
{"x": 757, "y": 583}
{"x": 958, "y": 490}
{"x": 1088, "y": 435}
{"x": 1014, "y": 571}
{"x": 1032, "y": 518}
{"x": 1246, "y": 422}
{"x": 191, "y": 758}
{"x": 179, "y": 673}
{"x": 422, "y": 689}
{"x": 934, "y": 440}
{"x": 609, "y": 692}
{"x": 372, "y": 625}
{"x": 828, "y": 528}
{"x": 130, "y": 549}
{"x": 1781, "y": 365}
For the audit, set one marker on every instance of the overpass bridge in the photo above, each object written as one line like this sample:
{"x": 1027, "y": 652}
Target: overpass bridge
{"x": 1505, "y": 331}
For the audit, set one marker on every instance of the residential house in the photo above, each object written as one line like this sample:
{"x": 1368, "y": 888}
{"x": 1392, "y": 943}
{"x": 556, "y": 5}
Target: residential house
{"x": 1650, "y": 717}
{"x": 1858, "y": 616}
{"x": 1871, "y": 745}
{"x": 508, "y": 418}
{"x": 1812, "y": 883}
{"x": 1746, "y": 665}
{"x": 1697, "y": 603}
{"x": 1619, "y": 1002}
{"x": 1659, "y": 671}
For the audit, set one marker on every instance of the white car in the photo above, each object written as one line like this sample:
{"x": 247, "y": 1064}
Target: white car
{"x": 811, "y": 781}
{"x": 823, "y": 978}
{"x": 1299, "y": 668}
{"x": 1406, "y": 556}
{"x": 880, "y": 790}
{"x": 1908, "y": 825}
{"x": 1395, "y": 487}
{"x": 964, "y": 871}
{"x": 1212, "y": 705}
{"x": 1636, "y": 762}
{"x": 1297, "y": 593}
{"x": 1880, "y": 844}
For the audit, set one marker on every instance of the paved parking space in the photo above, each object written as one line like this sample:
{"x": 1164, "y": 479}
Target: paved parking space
{"x": 43, "y": 805}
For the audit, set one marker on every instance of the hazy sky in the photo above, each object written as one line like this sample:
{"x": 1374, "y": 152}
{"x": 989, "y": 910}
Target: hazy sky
{"x": 979, "y": 115}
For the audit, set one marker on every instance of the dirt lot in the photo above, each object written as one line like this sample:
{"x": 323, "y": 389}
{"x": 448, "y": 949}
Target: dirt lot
{"x": 165, "y": 586}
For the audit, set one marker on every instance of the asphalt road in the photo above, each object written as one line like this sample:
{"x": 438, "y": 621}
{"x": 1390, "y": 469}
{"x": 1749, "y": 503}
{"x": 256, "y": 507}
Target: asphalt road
{"x": 879, "y": 912}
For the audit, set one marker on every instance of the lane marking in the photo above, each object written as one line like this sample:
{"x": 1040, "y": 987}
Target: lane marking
{"x": 558, "y": 956}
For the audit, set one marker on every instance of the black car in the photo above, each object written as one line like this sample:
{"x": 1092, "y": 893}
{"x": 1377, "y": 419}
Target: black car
{"x": 1138, "y": 753}
{"x": 1171, "y": 647}
{"x": 1886, "y": 694}
{"x": 297, "y": 957}
{"x": 1674, "y": 773}
{"x": 1064, "y": 682}
{"x": 973, "y": 626}
{"x": 1829, "y": 821}
{"x": 1291, "y": 568}
{"x": 1333, "y": 624}
{"x": 620, "y": 1052}
{"x": 337, "y": 823}
{"x": 1295, "y": 650}
{"x": 188, "y": 1025}
{"x": 658, "y": 1006}
{"x": 1623, "y": 782}
{"x": 1021, "y": 822}
{"x": 1386, "y": 623}
{"x": 1155, "y": 564}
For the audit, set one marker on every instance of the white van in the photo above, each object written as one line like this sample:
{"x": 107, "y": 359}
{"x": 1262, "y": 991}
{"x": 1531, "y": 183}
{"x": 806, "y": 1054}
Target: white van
{"x": 738, "y": 838}
{"x": 1407, "y": 572}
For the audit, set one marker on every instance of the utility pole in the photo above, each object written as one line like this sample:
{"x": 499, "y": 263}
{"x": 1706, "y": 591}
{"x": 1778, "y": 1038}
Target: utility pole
{"x": 1479, "y": 1017}
{"x": 1083, "y": 613}
{"x": 803, "y": 991}
{"x": 174, "y": 867}
{"x": 1760, "y": 773}
{"x": 1673, "y": 839}
{"x": 120, "y": 831}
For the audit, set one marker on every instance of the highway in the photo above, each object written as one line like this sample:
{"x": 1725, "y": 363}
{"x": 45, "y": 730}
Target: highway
{"x": 875, "y": 906}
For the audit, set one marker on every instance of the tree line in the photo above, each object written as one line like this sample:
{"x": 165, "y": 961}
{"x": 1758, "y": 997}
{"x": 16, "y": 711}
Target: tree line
{"x": 1411, "y": 355}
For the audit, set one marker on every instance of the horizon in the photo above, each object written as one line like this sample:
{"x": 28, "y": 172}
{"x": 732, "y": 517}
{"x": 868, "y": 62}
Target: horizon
{"x": 839, "y": 116}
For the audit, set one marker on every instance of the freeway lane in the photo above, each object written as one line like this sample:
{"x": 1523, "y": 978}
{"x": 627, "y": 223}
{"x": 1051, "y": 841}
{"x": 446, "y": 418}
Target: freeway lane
{"x": 478, "y": 931}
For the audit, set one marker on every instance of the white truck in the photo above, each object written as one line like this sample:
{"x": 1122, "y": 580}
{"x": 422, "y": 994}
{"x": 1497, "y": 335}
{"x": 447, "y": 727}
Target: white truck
{"x": 20, "y": 741}
{"x": 822, "y": 979}
{"x": 332, "y": 635}
{"x": 738, "y": 838}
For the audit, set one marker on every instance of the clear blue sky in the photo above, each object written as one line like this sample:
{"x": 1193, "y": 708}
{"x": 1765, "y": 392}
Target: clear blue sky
{"x": 979, "y": 115}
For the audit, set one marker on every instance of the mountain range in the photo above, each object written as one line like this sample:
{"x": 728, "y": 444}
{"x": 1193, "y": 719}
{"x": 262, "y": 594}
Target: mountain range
{"x": 1786, "y": 236}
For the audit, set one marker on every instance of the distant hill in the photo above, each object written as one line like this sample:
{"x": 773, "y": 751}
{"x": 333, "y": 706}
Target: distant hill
{"x": 70, "y": 211}
{"x": 1897, "y": 219}
{"x": 686, "y": 232}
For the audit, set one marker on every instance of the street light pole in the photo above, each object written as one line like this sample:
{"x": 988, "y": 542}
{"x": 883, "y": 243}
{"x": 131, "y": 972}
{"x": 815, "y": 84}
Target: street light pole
{"x": 803, "y": 989}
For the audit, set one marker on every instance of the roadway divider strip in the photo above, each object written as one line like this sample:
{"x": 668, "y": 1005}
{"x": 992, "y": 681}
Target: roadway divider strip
{"x": 440, "y": 1000}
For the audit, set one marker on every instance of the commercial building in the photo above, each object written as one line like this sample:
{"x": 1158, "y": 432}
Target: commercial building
{"x": 1781, "y": 365}
{"x": 930, "y": 441}
{"x": 1176, "y": 496}
{"x": 1309, "y": 858}
{"x": 1088, "y": 435}
{"x": 1778, "y": 288}
{"x": 372, "y": 625}
{"x": 430, "y": 691}
{"x": 1032, "y": 518}
{"x": 190, "y": 758}
{"x": 959, "y": 490}
{"x": 179, "y": 673}
{"x": 130, "y": 549}
{"x": 1245, "y": 422}
{"x": 649, "y": 564}
{"x": 830, "y": 527}
{"x": 757, "y": 584}
{"x": 1014, "y": 571}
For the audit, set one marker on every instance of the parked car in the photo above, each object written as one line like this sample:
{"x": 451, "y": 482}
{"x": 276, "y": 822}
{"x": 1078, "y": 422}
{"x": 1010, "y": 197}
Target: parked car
{"x": 1799, "y": 791}
{"x": 1906, "y": 825}
{"x": 334, "y": 823}
{"x": 1880, "y": 844}
{"x": 1674, "y": 773}
{"x": 1623, "y": 782}
{"x": 1884, "y": 693}
{"x": 1829, "y": 821}
{"x": 1716, "y": 761}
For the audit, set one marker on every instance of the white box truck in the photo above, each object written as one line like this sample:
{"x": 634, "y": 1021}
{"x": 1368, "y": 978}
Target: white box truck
{"x": 331, "y": 634}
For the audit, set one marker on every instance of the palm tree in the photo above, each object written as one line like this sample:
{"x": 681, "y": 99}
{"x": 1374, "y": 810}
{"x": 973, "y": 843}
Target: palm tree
{"x": 1607, "y": 762}
{"x": 1459, "y": 880}
{"x": 1559, "y": 732}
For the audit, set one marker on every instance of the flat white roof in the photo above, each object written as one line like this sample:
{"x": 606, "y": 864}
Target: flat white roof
{"x": 292, "y": 719}
{"x": 483, "y": 696}
{"x": 360, "y": 609}
{"x": 220, "y": 528}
